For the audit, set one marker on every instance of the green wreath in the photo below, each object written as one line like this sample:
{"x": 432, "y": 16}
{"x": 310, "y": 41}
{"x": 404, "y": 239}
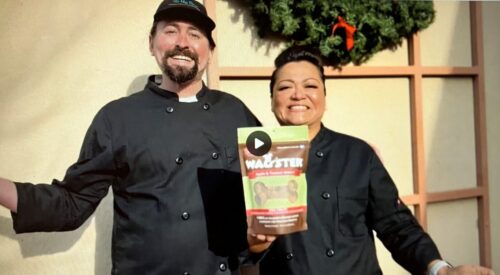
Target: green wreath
{"x": 343, "y": 30}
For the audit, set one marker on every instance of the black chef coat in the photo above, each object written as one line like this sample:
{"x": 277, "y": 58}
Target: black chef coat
{"x": 174, "y": 171}
{"x": 350, "y": 194}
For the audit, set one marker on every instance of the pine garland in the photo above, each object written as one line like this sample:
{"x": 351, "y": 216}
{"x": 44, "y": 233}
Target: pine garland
{"x": 373, "y": 25}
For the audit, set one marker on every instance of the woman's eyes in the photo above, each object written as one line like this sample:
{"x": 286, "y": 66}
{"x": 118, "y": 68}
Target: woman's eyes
{"x": 310, "y": 86}
{"x": 282, "y": 88}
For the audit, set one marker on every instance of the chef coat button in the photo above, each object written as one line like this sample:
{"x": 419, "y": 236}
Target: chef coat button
{"x": 319, "y": 154}
{"x": 179, "y": 160}
{"x": 289, "y": 256}
{"x": 325, "y": 195}
{"x": 330, "y": 252}
{"x": 170, "y": 109}
{"x": 223, "y": 267}
{"x": 215, "y": 155}
{"x": 186, "y": 273}
{"x": 206, "y": 106}
{"x": 185, "y": 216}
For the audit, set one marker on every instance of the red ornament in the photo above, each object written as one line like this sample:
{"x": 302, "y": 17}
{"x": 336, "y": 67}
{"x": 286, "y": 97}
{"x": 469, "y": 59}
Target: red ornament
{"x": 349, "y": 32}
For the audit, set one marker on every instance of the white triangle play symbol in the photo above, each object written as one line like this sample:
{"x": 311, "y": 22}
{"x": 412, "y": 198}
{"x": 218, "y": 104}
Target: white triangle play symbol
{"x": 258, "y": 143}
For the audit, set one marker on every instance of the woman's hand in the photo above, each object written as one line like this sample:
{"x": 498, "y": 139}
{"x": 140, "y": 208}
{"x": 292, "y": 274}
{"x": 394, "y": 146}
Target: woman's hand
{"x": 467, "y": 269}
{"x": 461, "y": 269}
{"x": 258, "y": 243}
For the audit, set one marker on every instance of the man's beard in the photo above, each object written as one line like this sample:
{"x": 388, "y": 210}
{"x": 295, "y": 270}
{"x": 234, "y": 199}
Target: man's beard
{"x": 179, "y": 74}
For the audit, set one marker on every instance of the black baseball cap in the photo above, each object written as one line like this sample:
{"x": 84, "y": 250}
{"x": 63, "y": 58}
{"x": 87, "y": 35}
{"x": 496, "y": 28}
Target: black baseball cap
{"x": 189, "y": 10}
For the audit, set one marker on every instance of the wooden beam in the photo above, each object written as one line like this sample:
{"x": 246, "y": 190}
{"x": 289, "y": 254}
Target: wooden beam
{"x": 417, "y": 130}
{"x": 356, "y": 72}
{"x": 411, "y": 200}
{"x": 213, "y": 77}
{"x": 480, "y": 132}
{"x": 459, "y": 194}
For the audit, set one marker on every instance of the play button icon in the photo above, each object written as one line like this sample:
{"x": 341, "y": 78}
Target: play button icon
{"x": 258, "y": 143}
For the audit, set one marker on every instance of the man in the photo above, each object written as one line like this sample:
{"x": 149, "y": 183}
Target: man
{"x": 169, "y": 153}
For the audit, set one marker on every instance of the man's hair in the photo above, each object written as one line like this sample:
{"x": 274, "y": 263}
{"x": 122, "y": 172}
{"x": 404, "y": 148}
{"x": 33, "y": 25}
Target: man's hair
{"x": 296, "y": 54}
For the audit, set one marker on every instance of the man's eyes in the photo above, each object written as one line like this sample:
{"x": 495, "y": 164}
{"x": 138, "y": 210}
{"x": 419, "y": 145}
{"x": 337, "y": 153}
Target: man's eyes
{"x": 170, "y": 31}
{"x": 195, "y": 35}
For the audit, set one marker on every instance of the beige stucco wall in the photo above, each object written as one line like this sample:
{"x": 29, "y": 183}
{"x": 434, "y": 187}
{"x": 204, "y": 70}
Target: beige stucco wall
{"x": 62, "y": 60}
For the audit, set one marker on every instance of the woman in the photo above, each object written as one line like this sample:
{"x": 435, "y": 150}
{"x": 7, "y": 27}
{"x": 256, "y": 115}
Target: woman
{"x": 350, "y": 193}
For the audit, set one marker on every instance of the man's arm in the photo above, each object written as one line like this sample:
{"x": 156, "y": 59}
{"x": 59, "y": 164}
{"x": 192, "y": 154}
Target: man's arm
{"x": 8, "y": 194}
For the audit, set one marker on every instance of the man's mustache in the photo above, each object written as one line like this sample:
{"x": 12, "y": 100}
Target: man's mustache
{"x": 185, "y": 52}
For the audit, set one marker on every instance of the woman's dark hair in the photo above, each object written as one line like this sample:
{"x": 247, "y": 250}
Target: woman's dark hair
{"x": 296, "y": 54}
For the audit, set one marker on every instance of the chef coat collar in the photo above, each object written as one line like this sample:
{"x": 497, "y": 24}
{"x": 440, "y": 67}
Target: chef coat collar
{"x": 154, "y": 82}
{"x": 319, "y": 136}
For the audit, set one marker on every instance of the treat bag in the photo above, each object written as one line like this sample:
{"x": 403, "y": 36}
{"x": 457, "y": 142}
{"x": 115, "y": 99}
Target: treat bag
{"x": 273, "y": 163}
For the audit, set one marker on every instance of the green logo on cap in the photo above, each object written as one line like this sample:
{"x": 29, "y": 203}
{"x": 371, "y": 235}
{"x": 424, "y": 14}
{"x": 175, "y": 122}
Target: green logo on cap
{"x": 186, "y": 2}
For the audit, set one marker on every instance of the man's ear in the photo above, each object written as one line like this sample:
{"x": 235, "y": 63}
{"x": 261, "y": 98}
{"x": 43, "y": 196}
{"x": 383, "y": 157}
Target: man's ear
{"x": 151, "y": 44}
{"x": 210, "y": 55}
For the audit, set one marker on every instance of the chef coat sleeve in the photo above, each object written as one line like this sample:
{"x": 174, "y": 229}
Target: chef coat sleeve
{"x": 395, "y": 225}
{"x": 65, "y": 205}
{"x": 252, "y": 120}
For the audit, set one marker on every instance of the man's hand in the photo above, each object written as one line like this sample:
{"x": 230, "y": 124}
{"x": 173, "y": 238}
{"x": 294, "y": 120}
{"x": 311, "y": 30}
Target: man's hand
{"x": 8, "y": 194}
{"x": 258, "y": 243}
